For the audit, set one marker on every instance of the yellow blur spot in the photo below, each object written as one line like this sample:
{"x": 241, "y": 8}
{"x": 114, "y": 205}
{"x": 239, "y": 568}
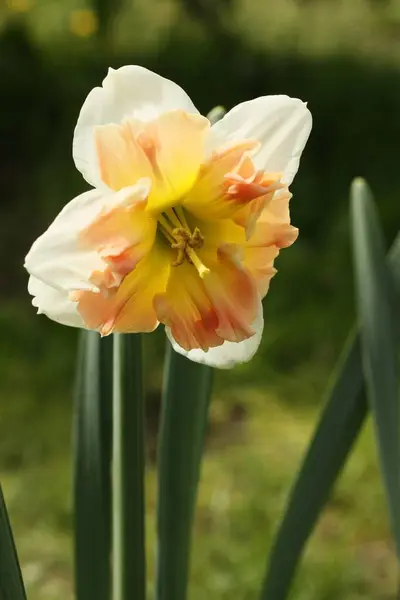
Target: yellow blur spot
{"x": 83, "y": 22}
{"x": 19, "y": 6}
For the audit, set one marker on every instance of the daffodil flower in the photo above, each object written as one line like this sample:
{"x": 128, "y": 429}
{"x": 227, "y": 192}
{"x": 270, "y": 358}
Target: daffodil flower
{"x": 184, "y": 220}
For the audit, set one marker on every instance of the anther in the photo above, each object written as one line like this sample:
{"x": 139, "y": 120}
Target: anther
{"x": 196, "y": 240}
{"x": 185, "y": 243}
{"x": 182, "y": 237}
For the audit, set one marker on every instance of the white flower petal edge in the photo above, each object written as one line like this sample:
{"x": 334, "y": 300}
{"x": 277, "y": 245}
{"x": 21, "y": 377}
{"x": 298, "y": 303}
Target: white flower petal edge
{"x": 56, "y": 257}
{"x": 128, "y": 92}
{"x": 54, "y": 303}
{"x": 230, "y": 353}
{"x": 282, "y": 125}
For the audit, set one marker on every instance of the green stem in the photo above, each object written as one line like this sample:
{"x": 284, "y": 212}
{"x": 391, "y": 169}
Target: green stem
{"x": 186, "y": 396}
{"x": 129, "y": 563}
{"x": 92, "y": 458}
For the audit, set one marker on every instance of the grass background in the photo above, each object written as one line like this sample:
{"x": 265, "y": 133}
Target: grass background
{"x": 341, "y": 56}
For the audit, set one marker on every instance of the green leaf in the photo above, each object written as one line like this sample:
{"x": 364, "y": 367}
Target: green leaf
{"x": 129, "y": 561}
{"x": 92, "y": 458}
{"x": 376, "y": 301}
{"x": 333, "y": 439}
{"x": 11, "y": 585}
{"x": 338, "y": 429}
{"x": 186, "y": 396}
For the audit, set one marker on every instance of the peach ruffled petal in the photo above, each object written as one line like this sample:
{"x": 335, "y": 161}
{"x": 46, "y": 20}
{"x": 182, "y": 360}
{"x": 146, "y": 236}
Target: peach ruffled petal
{"x": 129, "y": 307}
{"x": 230, "y": 353}
{"x": 168, "y": 150}
{"x": 272, "y": 232}
{"x": 187, "y": 310}
{"x": 259, "y": 261}
{"x": 122, "y": 235}
{"x": 122, "y": 161}
{"x": 175, "y": 146}
{"x": 234, "y": 295}
{"x": 203, "y": 312}
{"x": 208, "y": 198}
{"x": 230, "y": 187}
{"x": 259, "y": 188}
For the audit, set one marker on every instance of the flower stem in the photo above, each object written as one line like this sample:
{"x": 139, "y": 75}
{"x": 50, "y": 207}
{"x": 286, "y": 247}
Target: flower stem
{"x": 129, "y": 563}
{"x": 186, "y": 396}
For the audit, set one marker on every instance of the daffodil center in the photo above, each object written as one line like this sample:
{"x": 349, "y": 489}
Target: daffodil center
{"x": 185, "y": 243}
{"x": 175, "y": 228}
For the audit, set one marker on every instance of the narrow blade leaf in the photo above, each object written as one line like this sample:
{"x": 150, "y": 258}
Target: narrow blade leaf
{"x": 186, "y": 397}
{"x": 379, "y": 349}
{"x": 92, "y": 475}
{"x": 129, "y": 562}
{"x": 334, "y": 437}
{"x": 11, "y": 585}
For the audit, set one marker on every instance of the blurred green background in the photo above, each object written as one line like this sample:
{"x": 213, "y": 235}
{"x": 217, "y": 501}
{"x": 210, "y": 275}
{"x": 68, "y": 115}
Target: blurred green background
{"x": 343, "y": 57}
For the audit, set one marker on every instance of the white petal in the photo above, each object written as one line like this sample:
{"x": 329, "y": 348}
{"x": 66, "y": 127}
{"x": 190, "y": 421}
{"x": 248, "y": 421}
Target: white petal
{"x": 229, "y": 354}
{"x": 280, "y": 123}
{"x": 54, "y": 304}
{"x": 56, "y": 257}
{"x": 128, "y": 92}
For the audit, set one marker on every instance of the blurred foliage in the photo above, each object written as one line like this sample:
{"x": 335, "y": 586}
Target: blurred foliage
{"x": 342, "y": 57}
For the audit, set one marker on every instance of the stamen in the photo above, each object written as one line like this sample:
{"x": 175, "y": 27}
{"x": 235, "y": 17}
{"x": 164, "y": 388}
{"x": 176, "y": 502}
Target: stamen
{"x": 182, "y": 239}
{"x": 166, "y": 228}
{"x": 173, "y": 218}
{"x": 182, "y": 218}
{"x": 196, "y": 240}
